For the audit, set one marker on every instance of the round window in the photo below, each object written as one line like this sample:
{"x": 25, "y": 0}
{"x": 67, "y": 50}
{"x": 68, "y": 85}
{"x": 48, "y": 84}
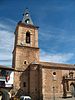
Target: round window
{"x": 54, "y": 73}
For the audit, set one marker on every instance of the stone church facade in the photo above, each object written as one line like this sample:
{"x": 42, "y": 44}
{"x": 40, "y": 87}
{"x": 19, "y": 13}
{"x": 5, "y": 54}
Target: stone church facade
{"x": 40, "y": 80}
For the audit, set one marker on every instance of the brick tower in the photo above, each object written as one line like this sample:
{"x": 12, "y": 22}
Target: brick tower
{"x": 26, "y": 49}
{"x": 25, "y": 52}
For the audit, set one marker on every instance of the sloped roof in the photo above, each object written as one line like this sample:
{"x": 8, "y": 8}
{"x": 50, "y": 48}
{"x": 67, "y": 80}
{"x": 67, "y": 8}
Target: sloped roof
{"x": 57, "y": 65}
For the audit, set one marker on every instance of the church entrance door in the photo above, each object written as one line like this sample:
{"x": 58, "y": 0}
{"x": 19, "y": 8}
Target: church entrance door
{"x": 4, "y": 94}
{"x": 72, "y": 88}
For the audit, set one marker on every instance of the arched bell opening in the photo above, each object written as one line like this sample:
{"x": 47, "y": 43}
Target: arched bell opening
{"x": 27, "y": 37}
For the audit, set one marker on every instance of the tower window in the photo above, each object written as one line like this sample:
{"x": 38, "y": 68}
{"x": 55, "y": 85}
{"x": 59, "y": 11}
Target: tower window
{"x": 24, "y": 84}
{"x": 25, "y": 62}
{"x": 28, "y": 37}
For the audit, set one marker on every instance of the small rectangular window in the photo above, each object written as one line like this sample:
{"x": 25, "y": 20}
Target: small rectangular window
{"x": 25, "y": 62}
{"x": 24, "y": 84}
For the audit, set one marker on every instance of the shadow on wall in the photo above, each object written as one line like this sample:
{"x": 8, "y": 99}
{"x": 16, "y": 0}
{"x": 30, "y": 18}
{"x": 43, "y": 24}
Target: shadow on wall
{"x": 72, "y": 88}
{"x": 24, "y": 83}
{"x": 5, "y": 95}
{"x": 27, "y": 83}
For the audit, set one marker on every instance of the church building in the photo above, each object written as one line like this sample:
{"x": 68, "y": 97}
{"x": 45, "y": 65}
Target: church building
{"x": 40, "y": 80}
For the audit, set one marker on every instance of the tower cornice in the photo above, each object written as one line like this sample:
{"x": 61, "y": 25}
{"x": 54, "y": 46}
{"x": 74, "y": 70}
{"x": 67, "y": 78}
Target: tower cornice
{"x": 27, "y": 25}
{"x": 24, "y": 47}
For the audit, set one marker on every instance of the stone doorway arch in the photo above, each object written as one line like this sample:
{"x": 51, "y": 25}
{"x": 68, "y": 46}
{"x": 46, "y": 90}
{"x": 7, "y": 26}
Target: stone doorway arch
{"x": 4, "y": 94}
{"x": 0, "y": 95}
{"x": 72, "y": 89}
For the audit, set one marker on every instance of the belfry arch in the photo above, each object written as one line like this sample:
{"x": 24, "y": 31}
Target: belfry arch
{"x": 27, "y": 37}
{"x": 4, "y": 94}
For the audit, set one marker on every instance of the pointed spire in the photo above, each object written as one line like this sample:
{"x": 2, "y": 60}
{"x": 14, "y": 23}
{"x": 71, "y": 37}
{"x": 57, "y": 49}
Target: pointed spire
{"x": 26, "y": 18}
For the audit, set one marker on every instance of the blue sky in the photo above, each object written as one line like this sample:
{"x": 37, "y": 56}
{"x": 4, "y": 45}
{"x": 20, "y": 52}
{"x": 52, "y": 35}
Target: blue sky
{"x": 56, "y": 19}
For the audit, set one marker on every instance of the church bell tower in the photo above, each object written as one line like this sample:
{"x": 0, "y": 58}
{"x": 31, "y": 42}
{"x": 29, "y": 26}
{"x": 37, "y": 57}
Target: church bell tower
{"x": 26, "y": 49}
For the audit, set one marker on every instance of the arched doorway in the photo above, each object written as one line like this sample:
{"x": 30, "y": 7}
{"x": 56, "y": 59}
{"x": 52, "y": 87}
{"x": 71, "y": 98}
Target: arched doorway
{"x": 0, "y": 95}
{"x": 4, "y": 94}
{"x": 72, "y": 88}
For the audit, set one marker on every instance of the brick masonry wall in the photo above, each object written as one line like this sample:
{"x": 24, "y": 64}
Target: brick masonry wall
{"x": 21, "y": 37}
{"x": 29, "y": 55}
{"x": 48, "y": 82}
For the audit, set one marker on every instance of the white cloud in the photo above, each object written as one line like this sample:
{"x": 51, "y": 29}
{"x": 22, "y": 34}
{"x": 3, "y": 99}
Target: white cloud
{"x": 7, "y": 27}
{"x": 57, "y": 58}
{"x": 57, "y": 36}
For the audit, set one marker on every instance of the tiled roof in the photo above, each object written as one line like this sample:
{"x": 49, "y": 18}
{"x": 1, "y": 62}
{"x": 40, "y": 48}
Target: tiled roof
{"x": 57, "y": 65}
